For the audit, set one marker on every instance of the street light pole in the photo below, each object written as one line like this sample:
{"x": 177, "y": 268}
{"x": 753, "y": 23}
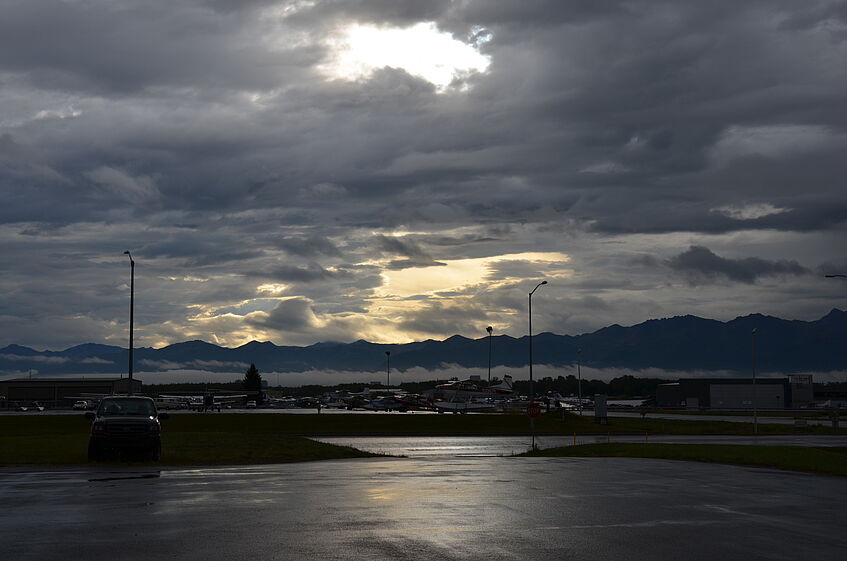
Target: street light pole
{"x": 579, "y": 379}
{"x": 388, "y": 369}
{"x": 489, "y": 329}
{"x": 753, "y": 350}
{"x": 131, "y": 313}
{"x": 531, "y": 383}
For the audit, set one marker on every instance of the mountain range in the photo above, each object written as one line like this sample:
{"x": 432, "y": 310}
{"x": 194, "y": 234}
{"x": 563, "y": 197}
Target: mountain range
{"x": 682, "y": 343}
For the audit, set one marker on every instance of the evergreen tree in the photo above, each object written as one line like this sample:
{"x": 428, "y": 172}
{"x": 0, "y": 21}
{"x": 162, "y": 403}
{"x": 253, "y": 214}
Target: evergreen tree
{"x": 252, "y": 380}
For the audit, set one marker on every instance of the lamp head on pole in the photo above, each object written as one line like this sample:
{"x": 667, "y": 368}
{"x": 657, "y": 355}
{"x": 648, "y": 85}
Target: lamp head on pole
{"x": 132, "y": 262}
{"x": 536, "y": 287}
{"x": 489, "y": 329}
{"x": 387, "y": 353}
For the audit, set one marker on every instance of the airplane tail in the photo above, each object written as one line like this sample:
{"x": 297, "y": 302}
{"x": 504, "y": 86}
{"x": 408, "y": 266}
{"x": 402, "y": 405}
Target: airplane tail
{"x": 506, "y": 384}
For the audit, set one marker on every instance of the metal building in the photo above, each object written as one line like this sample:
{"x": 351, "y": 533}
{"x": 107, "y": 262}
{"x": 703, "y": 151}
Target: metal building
{"x": 59, "y": 392}
{"x": 726, "y": 393}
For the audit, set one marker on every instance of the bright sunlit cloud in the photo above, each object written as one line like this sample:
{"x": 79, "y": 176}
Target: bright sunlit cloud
{"x": 421, "y": 50}
{"x": 459, "y": 273}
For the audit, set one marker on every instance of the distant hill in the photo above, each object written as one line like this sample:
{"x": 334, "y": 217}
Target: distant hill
{"x": 683, "y": 343}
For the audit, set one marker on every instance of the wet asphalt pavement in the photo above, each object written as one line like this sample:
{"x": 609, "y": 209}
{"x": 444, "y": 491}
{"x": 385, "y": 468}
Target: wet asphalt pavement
{"x": 438, "y": 508}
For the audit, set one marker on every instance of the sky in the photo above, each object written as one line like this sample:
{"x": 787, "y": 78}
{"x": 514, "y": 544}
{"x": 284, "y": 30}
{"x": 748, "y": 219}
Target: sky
{"x": 397, "y": 171}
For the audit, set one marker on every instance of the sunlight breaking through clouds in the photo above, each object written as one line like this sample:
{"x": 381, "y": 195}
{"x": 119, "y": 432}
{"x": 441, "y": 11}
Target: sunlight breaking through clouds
{"x": 421, "y": 50}
{"x": 309, "y": 170}
{"x": 460, "y": 273}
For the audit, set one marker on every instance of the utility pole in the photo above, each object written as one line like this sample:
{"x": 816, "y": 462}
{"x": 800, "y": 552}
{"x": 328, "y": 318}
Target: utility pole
{"x": 531, "y": 384}
{"x": 131, "y": 313}
{"x": 489, "y": 329}
{"x": 579, "y": 379}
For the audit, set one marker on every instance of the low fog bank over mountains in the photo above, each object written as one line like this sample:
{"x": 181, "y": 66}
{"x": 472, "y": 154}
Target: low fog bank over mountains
{"x": 684, "y": 343}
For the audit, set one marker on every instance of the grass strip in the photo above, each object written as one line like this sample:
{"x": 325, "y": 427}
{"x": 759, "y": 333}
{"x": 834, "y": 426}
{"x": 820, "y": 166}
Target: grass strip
{"x": 409, "y": 424}
{"x": 824, "y": 460}
{"x": 63, "y": 440}
{"x": 220, "y": 438}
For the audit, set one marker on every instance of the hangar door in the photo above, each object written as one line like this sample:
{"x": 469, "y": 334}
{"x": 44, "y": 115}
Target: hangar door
{"x": 740, "y": 396}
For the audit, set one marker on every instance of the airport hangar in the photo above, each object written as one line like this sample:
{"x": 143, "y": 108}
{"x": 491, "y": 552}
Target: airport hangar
{"x": 793, "y": 392}
{"x": 58, "y": 392}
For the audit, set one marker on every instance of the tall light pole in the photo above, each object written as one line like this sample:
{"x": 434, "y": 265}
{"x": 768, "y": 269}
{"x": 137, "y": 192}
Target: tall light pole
{"x": 753, "y": 350}
{"x": 131, "y": 313}
{"x": 531, "y": 384}
{"x": 579, "y": 379}
{"x": 388, "y": 369}
{"x": 489, "y": 329}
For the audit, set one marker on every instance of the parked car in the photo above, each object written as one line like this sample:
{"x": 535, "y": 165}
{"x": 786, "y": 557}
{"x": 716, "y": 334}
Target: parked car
{"x": 251, "y": 405}
{"x": 125, "y": 425}
{"x": 80, "y": 405}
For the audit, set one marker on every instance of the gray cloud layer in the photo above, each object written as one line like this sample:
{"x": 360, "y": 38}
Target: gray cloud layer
{"x": 699, "y": 262}
{"x": 204, "y": 136}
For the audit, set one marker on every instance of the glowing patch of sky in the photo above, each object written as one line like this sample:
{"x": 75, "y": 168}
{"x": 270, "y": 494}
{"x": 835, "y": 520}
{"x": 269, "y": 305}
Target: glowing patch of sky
{"x": 421, "y": 50}
{"x": 271, "y": 288}
{"x": 459, "y": 273}
{"x": 244, "y": 308}
{"x": 749, "y": 212}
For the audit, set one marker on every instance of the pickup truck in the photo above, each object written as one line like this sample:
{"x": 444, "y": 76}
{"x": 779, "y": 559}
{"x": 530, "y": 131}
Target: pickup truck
{"x": 124, "y": 425}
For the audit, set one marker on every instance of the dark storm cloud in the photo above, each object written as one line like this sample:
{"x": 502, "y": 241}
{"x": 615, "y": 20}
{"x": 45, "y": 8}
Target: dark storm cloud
{"x": 622, "y": 131}
{"x": 415, "y": 255}
{"x": 700, "y": 263}
{"x": 309, "y": 273}
{"x": 290, "y": 315}
{"x": 198, "y": 250}
{"x": 157, "y": 44}
{"x": 403, "y": 13}
{"x": 310, "y": 246}
{"x": 833, "y": 268}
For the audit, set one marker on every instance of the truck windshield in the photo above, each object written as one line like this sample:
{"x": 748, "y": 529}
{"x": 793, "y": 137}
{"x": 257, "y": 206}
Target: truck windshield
{"x": 135, "y": 407}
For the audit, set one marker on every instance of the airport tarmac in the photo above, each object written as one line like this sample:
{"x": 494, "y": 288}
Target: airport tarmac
{"x": 444, "y": 508}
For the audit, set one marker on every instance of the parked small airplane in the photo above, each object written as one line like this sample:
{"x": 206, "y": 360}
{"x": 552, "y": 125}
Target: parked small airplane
{"x": 413, "y": 401}
{"x": 468, "y": 395}
{"x": 206, "y": 401}
{"x": 474, "y": 388}
{"x": 399, "y": 402}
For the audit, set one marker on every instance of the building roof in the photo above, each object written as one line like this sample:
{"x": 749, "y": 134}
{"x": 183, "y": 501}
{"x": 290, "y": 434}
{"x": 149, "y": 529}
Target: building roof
{"x": 65, "y": 380}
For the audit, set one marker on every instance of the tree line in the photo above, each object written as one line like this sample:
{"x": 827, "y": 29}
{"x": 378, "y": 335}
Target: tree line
{"x": 620, "y": 387}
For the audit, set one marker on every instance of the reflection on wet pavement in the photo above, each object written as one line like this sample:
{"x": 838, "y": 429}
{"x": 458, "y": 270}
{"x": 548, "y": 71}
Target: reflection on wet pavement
{"x": 430, "y": 508}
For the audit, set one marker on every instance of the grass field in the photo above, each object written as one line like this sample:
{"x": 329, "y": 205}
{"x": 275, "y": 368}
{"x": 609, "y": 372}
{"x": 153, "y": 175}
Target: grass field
{"x": 825, "y": 460}
{"x": 238, "y": 438}
{"x": 186, "y": 440}
{"x": 411, "y": 424}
